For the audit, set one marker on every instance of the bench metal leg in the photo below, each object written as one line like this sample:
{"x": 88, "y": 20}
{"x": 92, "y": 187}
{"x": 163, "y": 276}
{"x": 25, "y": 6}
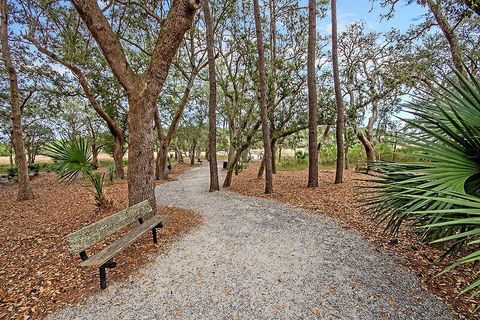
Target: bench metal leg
{"x": 154, "y": 232}
{"x": 154, "y": 235}
{"x": 103, "y": 273}
{"x": 103, "y": 277}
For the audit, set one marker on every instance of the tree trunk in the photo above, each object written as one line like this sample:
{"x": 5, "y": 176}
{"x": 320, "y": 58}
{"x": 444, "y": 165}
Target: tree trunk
{"x": 118, "y": 157}
{"x": 113, "y": 127}
{"x": 95, "y": 151}
{"x": 212, "y": 103}
{"x": 324, "y": 137}
{"x": 338, "y": 97}
{"x": 179, "y": 154}
{"x": 371, "y": 123}
{"x": 346, "y": 158}
{"x": 142, "y": 89}
{"x": 274, "y": 153}
{"x": 449, "y": 34}
{"x": 312, "y": 96}
{"x": 194, "y": 149}
{"x": 263, "y": 100}
{"x": 231, "y": 167}
{"x": 141, "y": 178}
{"x": 161, "y": 172}
{"x": 261, "y": 169}
{"x": 24, "y": 189}
{"x": 10, "y": 153}
{"x": 369, "y": 150}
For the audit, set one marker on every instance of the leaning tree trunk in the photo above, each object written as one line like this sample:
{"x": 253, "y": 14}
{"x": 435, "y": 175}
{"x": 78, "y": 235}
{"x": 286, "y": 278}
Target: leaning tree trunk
{"x": 324, "y": 138}
{"x": 261, "y": 169}
{"x": 231, "y": 167}
{"x": 369, "y": 150}
{"x": 449, "y": 34}
{"x": 312, "y": 96}
{"x": 24, "y": 189}
{"x": 338, "y": 97}
{"x": 212, "y": 103}
{"x": 263, "y": 100}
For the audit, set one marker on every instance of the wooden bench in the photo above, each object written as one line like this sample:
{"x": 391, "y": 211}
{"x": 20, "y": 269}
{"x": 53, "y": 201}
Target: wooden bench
{"x": 140, "y": 216}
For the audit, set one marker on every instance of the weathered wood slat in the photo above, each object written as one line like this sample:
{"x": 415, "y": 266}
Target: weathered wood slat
{"x": 86, "y": 237}
{"x": 113, "y": 249}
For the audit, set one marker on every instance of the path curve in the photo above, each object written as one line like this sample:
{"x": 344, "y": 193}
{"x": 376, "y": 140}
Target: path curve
{"x": 255, "y": 258}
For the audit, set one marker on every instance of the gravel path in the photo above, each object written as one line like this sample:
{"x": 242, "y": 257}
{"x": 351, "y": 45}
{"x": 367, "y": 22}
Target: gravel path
{"x": 258, "y": 259}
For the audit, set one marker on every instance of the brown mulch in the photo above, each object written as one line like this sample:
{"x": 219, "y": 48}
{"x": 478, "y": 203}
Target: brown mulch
{"x": 37, "y": 273}
{"x": 340, "y": 202}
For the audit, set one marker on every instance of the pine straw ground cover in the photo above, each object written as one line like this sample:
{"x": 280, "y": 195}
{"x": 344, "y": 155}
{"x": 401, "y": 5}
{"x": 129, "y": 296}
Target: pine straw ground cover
{"x": 37, "y": 273}
{"x": 339, "y": 202}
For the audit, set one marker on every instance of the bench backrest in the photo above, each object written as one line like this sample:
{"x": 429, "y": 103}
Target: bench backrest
{"x": 86, "y": 237}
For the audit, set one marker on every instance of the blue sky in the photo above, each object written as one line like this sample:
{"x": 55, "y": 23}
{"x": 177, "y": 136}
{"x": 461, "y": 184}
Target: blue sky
{"x": 349, "y": 11}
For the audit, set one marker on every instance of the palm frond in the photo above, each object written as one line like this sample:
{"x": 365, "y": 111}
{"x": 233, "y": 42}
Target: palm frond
{"x": 440, "y": 193}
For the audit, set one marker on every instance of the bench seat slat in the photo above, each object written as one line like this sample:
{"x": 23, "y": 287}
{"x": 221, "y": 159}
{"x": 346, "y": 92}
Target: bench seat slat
{"x": 114, "y": 248}
{"x": 86, "y": 237}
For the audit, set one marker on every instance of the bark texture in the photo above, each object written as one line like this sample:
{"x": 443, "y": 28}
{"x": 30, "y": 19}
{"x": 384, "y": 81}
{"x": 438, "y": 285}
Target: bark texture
{"x": 263, "y": 100}
{"x": 338, "y": 97}
{"x": 142, "y": 89}
{"x": 448, "y": 32}
{"x": 212, "y": 103}
{"x": 24, "y": 189}
{"x": 312, "y": 96}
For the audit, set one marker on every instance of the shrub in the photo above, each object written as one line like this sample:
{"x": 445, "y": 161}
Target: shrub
{"x": 73, "y": 158}
{"x": 440, "y": 193}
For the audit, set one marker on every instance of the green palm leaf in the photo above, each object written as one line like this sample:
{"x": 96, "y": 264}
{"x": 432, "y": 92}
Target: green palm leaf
{"x": 441, "y": 192}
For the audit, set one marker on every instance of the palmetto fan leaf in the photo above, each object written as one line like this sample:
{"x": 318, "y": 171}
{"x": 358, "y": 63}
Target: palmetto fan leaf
{"x": 71, "y": 157}
{"x": 440, "y": 192}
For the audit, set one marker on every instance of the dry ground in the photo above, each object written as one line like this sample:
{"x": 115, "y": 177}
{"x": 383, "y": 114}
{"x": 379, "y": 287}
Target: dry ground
{"x": 37, "y": 273}
{"x": 339, "y": 202}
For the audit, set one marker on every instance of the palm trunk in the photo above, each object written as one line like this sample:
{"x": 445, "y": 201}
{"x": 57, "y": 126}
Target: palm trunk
{"x": 24, "y": 189}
